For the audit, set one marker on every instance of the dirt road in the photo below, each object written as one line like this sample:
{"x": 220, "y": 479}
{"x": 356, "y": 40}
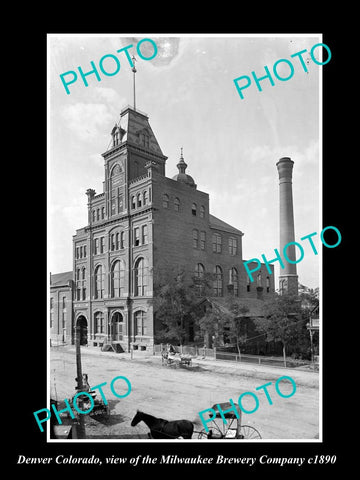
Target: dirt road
{"x": 175, "y": 393}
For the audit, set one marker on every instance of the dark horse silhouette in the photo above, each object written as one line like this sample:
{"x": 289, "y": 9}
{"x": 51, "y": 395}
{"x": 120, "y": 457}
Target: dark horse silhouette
{"x": 160, "y": 428}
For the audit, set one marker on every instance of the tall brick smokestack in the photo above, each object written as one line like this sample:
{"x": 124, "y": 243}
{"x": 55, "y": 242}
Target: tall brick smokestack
{"x": 288, "y": 278}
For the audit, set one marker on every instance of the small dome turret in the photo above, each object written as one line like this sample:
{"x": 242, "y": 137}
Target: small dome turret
{"x": 182, "y": 176}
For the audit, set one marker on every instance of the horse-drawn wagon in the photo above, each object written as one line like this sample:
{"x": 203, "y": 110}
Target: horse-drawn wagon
{"x": 232, "y": 429}
{"x": 171, "y": 356}
{"x": 217, "y": 428}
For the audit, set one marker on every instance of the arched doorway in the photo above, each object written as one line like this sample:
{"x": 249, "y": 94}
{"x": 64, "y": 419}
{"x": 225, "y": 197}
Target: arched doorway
{"x": 116, "y": 327}
{"x": 83, "y": 326}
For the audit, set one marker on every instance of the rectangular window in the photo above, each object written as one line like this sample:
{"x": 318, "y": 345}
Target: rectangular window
{"x": 136, "y": 236}
{"x": 144, "y": 234}
{"x": 102, "y": 244}
{"x": 99, "y": 323}
{"x": 77, "y": 252}
{"x": 216, "y": 243}
{"x": 232, "y": 246}
{"x": 140, "y": 326}
{"x": 195, "y": 239}
{"x": 51, "y": 312}
{"x": 96, "y": 246}
{"x": 121, "y": 203}
{"x": 84, "y": 250}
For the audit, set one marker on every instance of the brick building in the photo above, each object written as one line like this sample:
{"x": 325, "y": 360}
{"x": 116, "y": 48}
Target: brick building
{"x": 142, "y": 225}
{"x": 61, "y": 308}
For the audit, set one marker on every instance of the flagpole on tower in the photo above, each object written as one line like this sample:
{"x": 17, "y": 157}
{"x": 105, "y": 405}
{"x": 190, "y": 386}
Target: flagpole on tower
{"x": 134, "y": 70}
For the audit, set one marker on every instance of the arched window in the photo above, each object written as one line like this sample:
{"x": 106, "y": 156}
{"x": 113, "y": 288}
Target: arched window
{"x": 116, "y": 327}
{"x": 133, "y": 202}
{"x": 145, "y": 197}
{"x": 139, "y": 200}
{"x": 199, "y": 270}
{"x": 99, "y": 282}
{"x": 116, "y": 138}
{"x": 259, "y": 280}
{"x": 176, "y": 204}
{"x": 140, "y": 322}
{"x": 216, "y": 243}
{"x": 234, "y": 280}
{"x": 165, "y": 200}
{"x": 195, "y": 238}
{"x": 140, "y": 278}
{"x": 202, "y": 211}
{"x": 117, "y": 241}
{"x": 199, "y": 279}
{"x": 94, "y": 215}
{"x": 282, "y": 286}
{"x": 193, "y": 208}
{"x": 122, "y": 240}
{"x": 218, "y": 282}
{"x": 202, "y": 240}
{"x": 99, "y": 325}
{"x": 117, "y": 278}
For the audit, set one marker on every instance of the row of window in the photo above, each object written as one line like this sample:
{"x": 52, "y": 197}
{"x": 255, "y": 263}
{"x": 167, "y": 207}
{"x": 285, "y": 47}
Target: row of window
{"x": 98, "y": 214}
{"x": 80, "y": 251}
{"x": 199, "y": 241}
{"x": 117, "y": 280}
{"x": 63, "y": 312}
{"x": 218, "y": 280}
{"x": 141, "y": 199}
{"x": 116, "y": 329}
{"x": 194, "y": 207}
{"x": 116, "y": 242}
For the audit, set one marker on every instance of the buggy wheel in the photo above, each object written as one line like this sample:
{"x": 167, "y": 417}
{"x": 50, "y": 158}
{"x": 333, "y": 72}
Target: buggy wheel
{"x": 203, "y": 434}
{"x": 249, "y": 432}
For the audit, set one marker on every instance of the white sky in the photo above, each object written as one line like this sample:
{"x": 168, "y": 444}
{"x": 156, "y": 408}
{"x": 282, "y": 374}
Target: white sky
{"x": 231, "y": 145}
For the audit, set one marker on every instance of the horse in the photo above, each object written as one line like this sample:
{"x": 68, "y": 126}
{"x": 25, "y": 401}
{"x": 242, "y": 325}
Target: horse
{"x": 160, "y": 428}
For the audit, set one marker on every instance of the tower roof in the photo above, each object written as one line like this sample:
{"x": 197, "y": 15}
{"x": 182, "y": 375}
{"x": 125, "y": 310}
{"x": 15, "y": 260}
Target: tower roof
{"x": 134, "y": 128}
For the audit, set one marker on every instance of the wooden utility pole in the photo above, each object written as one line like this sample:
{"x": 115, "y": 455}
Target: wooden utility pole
{"x": 79, "y": 424}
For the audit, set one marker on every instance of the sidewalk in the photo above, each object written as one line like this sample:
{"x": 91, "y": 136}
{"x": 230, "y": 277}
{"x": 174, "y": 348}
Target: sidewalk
{"x": 306, "y": 378}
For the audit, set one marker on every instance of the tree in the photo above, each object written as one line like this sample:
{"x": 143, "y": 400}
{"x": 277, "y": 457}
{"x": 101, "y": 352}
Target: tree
{"x": 237, "y": 332}
{"x": 176, "y": 299}
{"x": 281, "y": 321}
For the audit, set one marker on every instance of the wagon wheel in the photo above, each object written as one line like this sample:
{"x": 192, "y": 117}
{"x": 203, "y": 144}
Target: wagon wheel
{"x": 248, "y": 432}
{"x": 214, "y": 433}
